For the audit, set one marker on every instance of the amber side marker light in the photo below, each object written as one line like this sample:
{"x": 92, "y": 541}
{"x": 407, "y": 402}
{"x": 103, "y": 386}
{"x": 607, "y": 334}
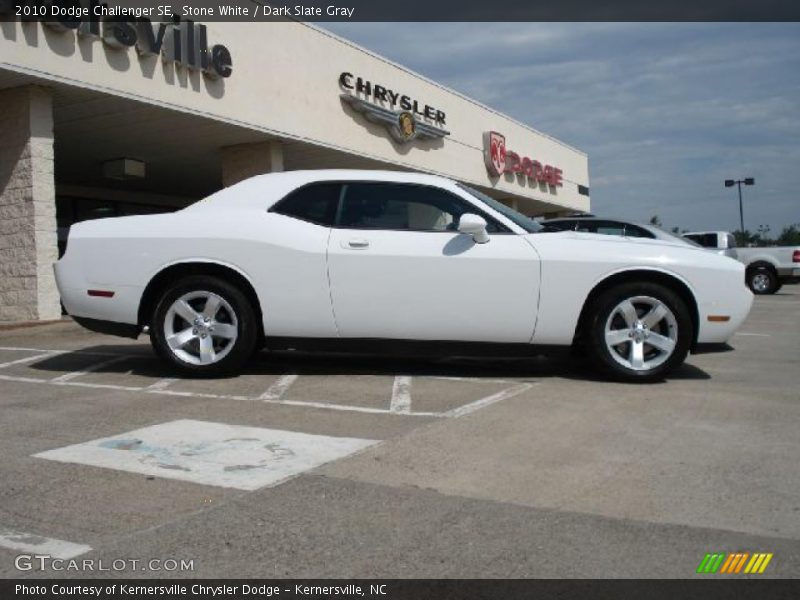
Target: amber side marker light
{"x": 718, "y": 318}
{"x": 101, "y": 293}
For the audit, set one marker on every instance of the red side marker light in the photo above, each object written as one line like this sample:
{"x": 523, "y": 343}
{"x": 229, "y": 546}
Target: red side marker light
{"x": 101, "y": 293}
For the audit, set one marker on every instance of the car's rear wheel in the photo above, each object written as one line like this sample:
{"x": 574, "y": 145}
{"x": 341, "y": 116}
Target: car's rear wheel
{"x": 204, "y": 326}
{"x": 762, "y": 280}
{"x": 639, "y": 331}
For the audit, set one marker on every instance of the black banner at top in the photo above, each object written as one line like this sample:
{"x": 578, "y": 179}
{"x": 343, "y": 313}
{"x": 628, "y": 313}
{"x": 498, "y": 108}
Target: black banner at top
{"x": 408, "y": 10}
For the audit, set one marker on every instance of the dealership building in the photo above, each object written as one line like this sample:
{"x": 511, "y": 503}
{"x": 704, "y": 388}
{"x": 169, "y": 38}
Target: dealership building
{"x": 115, "y": 118}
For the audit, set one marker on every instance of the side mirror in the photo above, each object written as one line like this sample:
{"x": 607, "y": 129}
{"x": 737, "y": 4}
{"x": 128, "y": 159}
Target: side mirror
{"x": 475, "y": 226}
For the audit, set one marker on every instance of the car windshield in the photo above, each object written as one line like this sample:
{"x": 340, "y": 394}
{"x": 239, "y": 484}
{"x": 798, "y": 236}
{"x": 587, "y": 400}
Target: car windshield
{"x": 526, "y": 223}
{"x": 680, "y": 238}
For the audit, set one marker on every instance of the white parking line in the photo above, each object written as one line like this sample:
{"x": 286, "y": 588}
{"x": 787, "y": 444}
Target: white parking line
{"x": 21, "y": 361}
{"x": 29, "y": 542}
{"x": 753, "y": 334}
{"x": 22, "y": 379}
{"x": 484, "y": 402}
{"x": 350, "y": 408}
{"x": 400, "y": 402}
{"x": 161, "y": 384}
{"x": 86, "y": 352}
{"x": 90, "y": 369}
{"x": 469, "y": 379}
{"x": 18, "y": 349}
{"x": 401, "y": 395}
{"x": 278, "y": 389}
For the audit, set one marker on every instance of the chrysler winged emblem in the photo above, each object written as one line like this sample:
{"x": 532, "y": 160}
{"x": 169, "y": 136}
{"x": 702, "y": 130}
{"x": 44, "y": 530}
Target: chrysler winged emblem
{"x": 402, "y": 124}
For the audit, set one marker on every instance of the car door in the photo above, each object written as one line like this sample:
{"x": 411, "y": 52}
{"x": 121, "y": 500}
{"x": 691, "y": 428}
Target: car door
{"x": 290, "y": 264}
{"x": 399, "y": 269}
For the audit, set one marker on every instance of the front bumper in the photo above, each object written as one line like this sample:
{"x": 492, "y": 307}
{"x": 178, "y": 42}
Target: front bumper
{"x": 734, "y": 305}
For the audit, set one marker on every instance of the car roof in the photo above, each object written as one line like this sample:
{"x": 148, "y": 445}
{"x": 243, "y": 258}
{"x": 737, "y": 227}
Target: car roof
{"x": 250, "y": 193}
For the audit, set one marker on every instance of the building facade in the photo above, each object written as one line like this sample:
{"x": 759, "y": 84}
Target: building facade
{"x": 114, "y": 118}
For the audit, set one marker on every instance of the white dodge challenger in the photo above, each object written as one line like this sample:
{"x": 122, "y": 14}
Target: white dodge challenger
{"x": 367, "y": 261}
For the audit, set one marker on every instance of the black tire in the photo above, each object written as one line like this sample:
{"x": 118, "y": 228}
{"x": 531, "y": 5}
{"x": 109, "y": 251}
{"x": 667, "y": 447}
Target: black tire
{"x": 600, "y": 353}
{"x": 762, "y": 280}
{"x": 247, "y": 327}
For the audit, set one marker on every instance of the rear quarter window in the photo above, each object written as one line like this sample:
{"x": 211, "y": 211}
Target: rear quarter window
{"x": 634, "y": 231}
{"x": 707, "y": 240}
{"x": 314, "y": 203}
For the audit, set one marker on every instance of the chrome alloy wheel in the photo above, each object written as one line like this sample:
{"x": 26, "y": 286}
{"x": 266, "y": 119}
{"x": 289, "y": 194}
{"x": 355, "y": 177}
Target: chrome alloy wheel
{"x": 760, "y": 282}
{"x": 200, "y": 328}
{"x": 641, "y": 333}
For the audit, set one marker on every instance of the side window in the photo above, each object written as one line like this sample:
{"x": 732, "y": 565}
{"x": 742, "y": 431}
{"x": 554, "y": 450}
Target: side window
{"x": 315, "y": 203}
{"x": 610, "y": 228}
{"x": 561, "y": 225}
{"x": 707, "y": 240}
{"x": 400, "y": 206}
{"x": 634, "y": 231}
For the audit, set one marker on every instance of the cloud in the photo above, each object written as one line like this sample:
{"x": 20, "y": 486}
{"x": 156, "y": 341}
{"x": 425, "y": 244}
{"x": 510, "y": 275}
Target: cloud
{"x": 665, "y": 111}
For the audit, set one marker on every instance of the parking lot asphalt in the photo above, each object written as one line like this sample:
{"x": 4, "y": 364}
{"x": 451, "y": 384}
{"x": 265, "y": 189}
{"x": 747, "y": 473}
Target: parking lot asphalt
{"x": 343, "y": 466}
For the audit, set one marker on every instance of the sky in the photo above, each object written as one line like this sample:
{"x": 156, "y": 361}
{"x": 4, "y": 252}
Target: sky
{"x": 665, "y": 111}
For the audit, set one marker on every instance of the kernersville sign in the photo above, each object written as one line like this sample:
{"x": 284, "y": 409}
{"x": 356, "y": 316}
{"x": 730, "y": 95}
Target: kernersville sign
{"x": 179, "y": 41}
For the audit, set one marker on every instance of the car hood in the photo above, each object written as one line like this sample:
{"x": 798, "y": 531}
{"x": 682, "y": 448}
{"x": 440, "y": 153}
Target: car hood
{"x": 617, "y": 239}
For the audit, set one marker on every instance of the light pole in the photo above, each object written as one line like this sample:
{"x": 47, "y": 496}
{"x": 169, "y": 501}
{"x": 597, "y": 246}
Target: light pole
{"x": 739, "y": 182}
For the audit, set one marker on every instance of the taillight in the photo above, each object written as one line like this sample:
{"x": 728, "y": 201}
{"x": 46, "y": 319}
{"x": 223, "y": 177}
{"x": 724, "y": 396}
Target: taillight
{"x": 796, "y": 256}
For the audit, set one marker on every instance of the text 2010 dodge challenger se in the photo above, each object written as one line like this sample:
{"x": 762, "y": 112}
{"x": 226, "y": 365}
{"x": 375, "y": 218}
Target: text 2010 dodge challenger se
{"x": 360, "y": 260}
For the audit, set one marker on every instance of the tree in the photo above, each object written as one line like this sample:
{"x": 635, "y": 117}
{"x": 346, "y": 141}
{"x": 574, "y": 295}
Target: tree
{"x": 762, "y": 237}
{"x": 790, "y": 236}
{"x": 654, "y": 220}
{"x": 743, "y": 238}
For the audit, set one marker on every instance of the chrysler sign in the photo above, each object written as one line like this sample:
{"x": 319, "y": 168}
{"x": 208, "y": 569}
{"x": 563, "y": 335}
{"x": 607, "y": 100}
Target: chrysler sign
{"x": 500, "y": 160}
{"x": 406, "y": 118}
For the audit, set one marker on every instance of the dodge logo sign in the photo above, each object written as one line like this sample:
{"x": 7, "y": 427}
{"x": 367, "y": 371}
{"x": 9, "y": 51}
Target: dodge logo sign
{"x": 500, "y": 161}
{"x": 495, "y": 153}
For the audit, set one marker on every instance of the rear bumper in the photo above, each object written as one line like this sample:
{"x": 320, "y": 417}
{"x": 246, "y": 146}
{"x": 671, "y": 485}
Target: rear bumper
{"x": 789, "y": 275}
{"x": 122, "y": 307}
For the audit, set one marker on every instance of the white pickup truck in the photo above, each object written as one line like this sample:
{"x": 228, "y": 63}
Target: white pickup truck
{"x": 767, "y": 268}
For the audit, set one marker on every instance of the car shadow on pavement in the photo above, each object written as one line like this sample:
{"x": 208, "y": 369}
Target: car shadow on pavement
{"x": 140, "y": 360}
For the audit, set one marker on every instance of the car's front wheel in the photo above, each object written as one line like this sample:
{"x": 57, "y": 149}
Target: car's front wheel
{"x": 639, "y": 331}
{"x": 204, "y": 326}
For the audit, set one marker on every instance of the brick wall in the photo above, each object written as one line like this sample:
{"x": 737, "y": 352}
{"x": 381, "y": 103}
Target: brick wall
{"x": 28, "y": 237}
{"x": 246, "y": 160}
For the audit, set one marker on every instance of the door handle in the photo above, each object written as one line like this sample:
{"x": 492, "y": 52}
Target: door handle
{"x": 356, "y": 244}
